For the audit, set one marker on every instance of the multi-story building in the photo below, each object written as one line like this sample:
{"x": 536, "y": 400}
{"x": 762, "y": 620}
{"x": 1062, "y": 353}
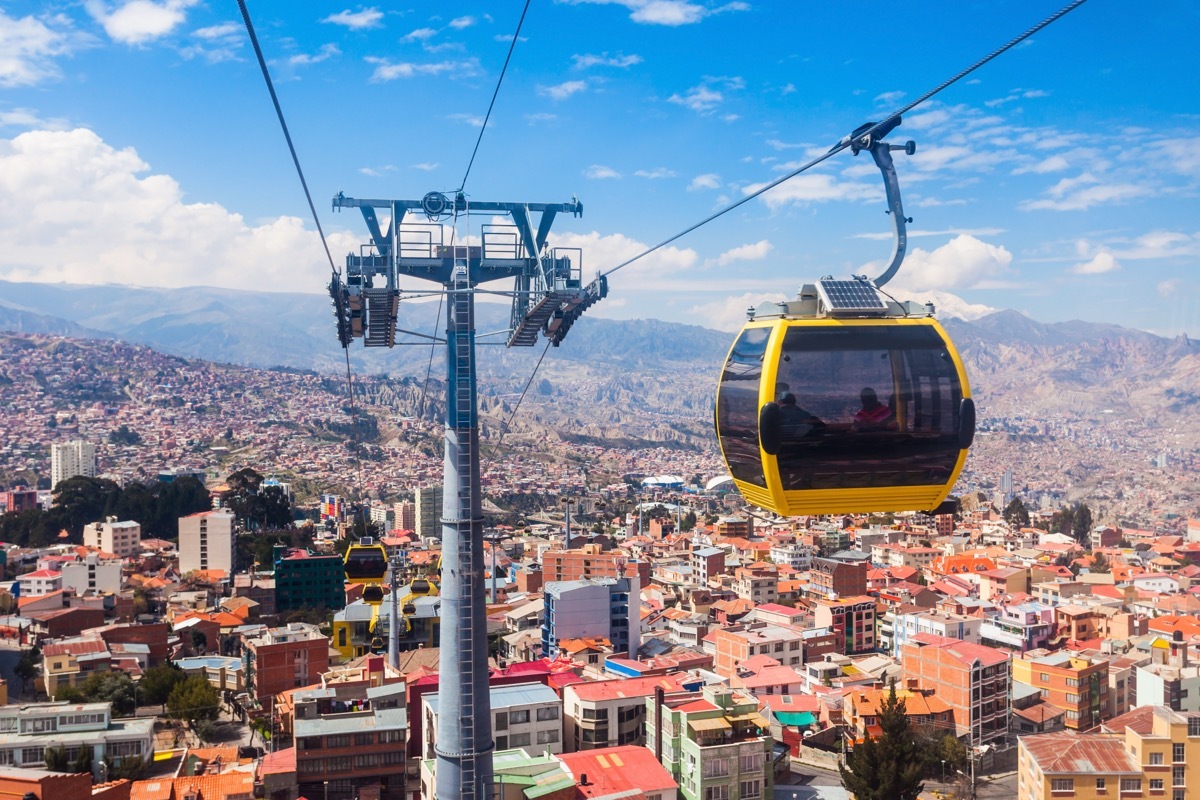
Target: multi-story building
{"x": 736, "y": 526}
{"x": 18, "y": 500}
{"x": 737, "y": 643}
{"x": 924, "y": 709}
{"x": 843, "y": 574}
{"x": 308, "y": 580}
{"x": 852, "y": 617}
{"x": 1076, "y": 683}
{"x": 707, "y": 562}
{"x": 206, "y": 541}
{"x": 524, "y": 715}
{"x": 278, "y": 659}
{"x": 27, "y": 731}
{"x": 92, "y": 574}
{"x": 901, "y": 555}
{"x": 1169, "y": 679}
{"x": 121, "y": 538}
{"x": 406, "y": 515}
{"x": 1023, "y": 627}
{"x": 794, "y": 554}
{"x": 40, "y": 582}
{"x": 714, "y": 743}
{"x": 71, "y": 459}
{"x": 590, "y": 561}
{"x": 342, "y": 754}
{"x": 428, "y": 502}
{"x": 939, "y": 623}
{"x": 972, "y": 679}
{"x": 600, "y": 608}
{"x": 757, "y": 586}
{"x": 1156, "y": 755}
{"x": 333, "y": 508}
{"x": 611, "y": 713}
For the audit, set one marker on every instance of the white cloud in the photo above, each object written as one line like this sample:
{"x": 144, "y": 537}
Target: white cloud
{"x": 1083, "y": 192}
{"x": 603, "y": 60}
{"x": 458, "y": 23}
{"x": 946, "y": 304}
{"x": 29, "y": 118}
{"x": 729, "y": 314}
{"x": 327, "y": 52}
{"x": 124, "y": 224}
{"x": 139, "y": 21}
{"x": 605, "y": 252}
{"x": 385, "y": 70}
{"x": 916, "y": 233}
{"x": 1099, "y": 264}
{"x": 356, "y": 20}
{"x": 600, "y": 172}
{"x": 540, "y": 116}
{"x": 474, "y": 120}
{"x": 788, "y": 89}
{"x": 562, "y": 90}
{"x": 747, "y": 252}
{"x": 28, "y": 47}
{"x": 709, "y": 180}
{"x": 1046, "y": 165}
{"x": 214, "y": 32}
{"x": 809, "y": 188}
{"x": 655, "y": 174}
{"x": 701, "y": 99}
{"x": 1168, "y": 287}
{"x": 889, "y": 98}
{"x": 964, "y": 262}
{"x": 425, "y": 166}
{"x": 419, "y": 35}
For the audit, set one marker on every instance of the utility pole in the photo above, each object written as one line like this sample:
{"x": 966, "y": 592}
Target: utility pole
{"x": 548, "y": 297}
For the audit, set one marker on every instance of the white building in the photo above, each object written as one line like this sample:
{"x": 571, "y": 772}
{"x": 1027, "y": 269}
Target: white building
{"x": 40, "y": 582}
{"x": 122, "y": 539}
{"x": 92, "y": 574}
{"x": 796, "y": 555}
{"x": 611, "y": 713}
{"x": 206, "y": 541}
{"x": 27, "y": 731}
{"x": 939, "y": 623}
{"x": 607, "y": 608}
{"x": 70, "y": 460}
{"x": 524, "y": 715}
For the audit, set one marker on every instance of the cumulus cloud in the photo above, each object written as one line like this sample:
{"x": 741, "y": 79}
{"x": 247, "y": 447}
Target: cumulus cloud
{"x": 600, "y": 172}
{"x": 124, "y": 224}
{"x": 701, "y": 99}
{"x": 29, "y": 46}
{"x": 356, "y": 20}
{"x": 1083, "y": 192}
{"x": 811, "y": 188}
{"x": 1168, "y": 287}
{"x": 326, "y": 52}
{"x": 562, "y": 90}
{"x": 386, "y": 70}
{"x": 747, "y": 252}
{"x": 419, "y": 35}
{"x": 29, "y": 118}
{"x": 672, "y": 13}
{"x": 657, "y": 173}
{"x": 458, "y": 23}
{"x": 729, "y": 314}
{"x": 604, "y": 252}
{"x": 1046, "y": 165}
{"x": 962, "y": 263}
{"x": 603, "y": 60}
{"x": 1099, "y": 264}
{"x": 139, "y": 21}
{"x": 709, "y": 180}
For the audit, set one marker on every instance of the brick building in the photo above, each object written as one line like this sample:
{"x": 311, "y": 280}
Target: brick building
{"x": 1077, "y": 683}
{"x": 590, "y": 561}
{"x": 737, "y": 643}
{"x": 278, "y": 659}
{"x": 972, "y": 679}
{"x": 851, "y": 617}
{"x": 840, "y": 575}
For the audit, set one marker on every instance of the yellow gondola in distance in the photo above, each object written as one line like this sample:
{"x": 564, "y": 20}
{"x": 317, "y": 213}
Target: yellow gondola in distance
{"x": 365, "y": 562}
{"x": 827, "y": 407}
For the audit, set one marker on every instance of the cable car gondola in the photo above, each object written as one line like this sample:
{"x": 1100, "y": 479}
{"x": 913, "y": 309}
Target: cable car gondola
{"x": 845, "y": 400}
{"x": 365, "y": 562}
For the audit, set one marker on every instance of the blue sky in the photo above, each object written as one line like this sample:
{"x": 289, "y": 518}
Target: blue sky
{"x": 138, "y": 144}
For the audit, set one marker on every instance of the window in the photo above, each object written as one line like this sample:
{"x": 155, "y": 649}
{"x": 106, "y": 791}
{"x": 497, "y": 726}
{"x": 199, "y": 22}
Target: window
{"x": 1072, "y": 698}
{"x": 502, "y": 721}
{"x": 364, "y": 739}
{"x": 501, "y": 742}
{"x": 716, "y": 768}
{"x": 1177, "y": 776}
{"x": 751, "y": 789}
{"x": 1044, "y": 676}
{"x": 1193, "y": 726}
{"x": 547, "y": 737}
{"x": 366, "y": 760}
{"x": 1156, "y": 759}
{"x": 716, "y": 793}
{"x": 1101, "y": 784}
{"x": 518, "y": 740}
{"x": 1131, "y": 784}
{"x": 1072, "y": 681}
{"x": 32, "y": 755}
{"x": 547, "y": 713}
{"x": 1177, "y": 752}
{"x": 751, "y": 763}
{"x": 1062, "y": 785}
{"x": 342, "y": 740}
{"x": 1156, "y": 784}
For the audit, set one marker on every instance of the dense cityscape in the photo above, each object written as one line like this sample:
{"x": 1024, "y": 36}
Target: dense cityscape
{"x": 650, "y": 635}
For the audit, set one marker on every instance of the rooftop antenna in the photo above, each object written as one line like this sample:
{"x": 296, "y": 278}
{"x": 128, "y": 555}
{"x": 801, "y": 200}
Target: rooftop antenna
{"x": 548, "y": 297}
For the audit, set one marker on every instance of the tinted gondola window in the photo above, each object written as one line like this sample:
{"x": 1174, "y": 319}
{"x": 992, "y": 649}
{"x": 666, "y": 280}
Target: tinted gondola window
{"x": 368, "y": 563}
{"x": 737, "y": 406}
{"x": 886, "y": 398}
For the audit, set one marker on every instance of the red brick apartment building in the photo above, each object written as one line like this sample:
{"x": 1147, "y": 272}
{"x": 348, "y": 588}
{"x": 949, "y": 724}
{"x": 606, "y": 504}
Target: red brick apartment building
{"x": 840, "y": 577}
{"x": 972, "y": 679}
{"x": 590, "y": 561}
{"x": 278, "y": 659}
{"x": 853, "y": 618}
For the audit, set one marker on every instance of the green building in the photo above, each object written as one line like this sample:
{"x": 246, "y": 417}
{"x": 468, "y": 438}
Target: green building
{"x": 308, "y": 580}
{"x": 715, "y": 744}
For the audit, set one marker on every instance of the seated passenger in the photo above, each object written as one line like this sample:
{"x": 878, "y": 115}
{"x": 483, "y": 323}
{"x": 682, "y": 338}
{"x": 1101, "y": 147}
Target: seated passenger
{"x": 874, "y": 415}
{"x": 795, "y": 422}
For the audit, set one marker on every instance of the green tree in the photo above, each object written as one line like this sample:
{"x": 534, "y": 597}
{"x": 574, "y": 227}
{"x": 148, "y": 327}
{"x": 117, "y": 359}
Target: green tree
{"x": 890, "y": 767}
{"x": 27, "y": 666}
{"x": 688, "y": 522}
{"x": 1081, "y": 524}
{"x": 1016, "y": 514}
{"x": 110, "y": 686}
{"x": 158, "y": 682}
{"x": 82, "y": 500}
{"x": 1100, "y": 564}
{"x": 194, "y": 699}
{"x": 56, "y": 758}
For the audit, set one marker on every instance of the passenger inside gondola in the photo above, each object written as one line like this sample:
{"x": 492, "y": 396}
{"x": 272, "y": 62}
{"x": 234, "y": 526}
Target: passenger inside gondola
{"x": 795, "y": 422}
{"x": 874, "y": 415}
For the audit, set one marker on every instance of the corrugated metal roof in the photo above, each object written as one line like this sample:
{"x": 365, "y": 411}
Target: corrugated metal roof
{"x": 1070, "y": 753}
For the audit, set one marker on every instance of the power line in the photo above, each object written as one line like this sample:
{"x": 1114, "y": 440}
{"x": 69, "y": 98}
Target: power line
{"x": 517, "y": 407}
{"x": 858, "y": 136}
{"x": 262, "y": 64}
{"x": 512, "y": 45}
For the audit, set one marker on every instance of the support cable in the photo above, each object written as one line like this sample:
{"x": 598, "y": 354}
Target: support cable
{"x": 517, "y": 407}
{"x": 512, "y": 45}
{"x": 857, "y": 136}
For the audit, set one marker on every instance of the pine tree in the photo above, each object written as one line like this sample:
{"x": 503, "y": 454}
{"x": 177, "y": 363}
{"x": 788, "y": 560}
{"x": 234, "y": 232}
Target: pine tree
{"x": 890, "y": 767}
{"x": 1016, "y": 514}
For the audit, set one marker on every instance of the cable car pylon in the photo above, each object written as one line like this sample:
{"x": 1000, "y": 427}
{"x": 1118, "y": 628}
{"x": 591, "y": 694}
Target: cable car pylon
{"x": 548, "y": 296}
